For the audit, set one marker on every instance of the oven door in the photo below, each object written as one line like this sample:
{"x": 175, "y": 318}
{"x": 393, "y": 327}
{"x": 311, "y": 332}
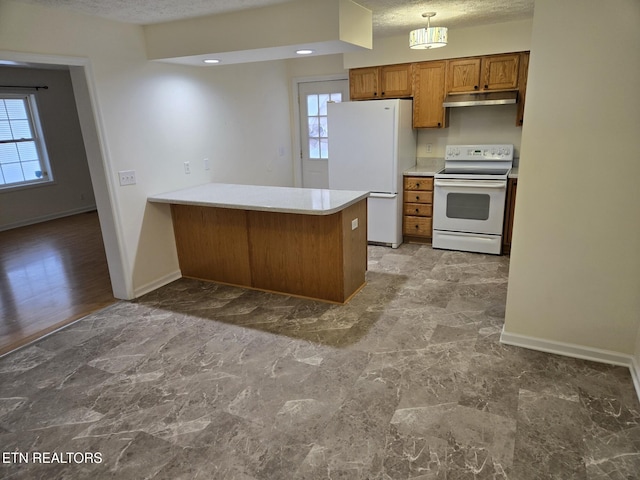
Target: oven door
{"x": 467, "y": 205}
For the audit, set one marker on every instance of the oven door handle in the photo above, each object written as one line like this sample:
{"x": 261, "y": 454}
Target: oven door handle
{"x": 470, "y": 183}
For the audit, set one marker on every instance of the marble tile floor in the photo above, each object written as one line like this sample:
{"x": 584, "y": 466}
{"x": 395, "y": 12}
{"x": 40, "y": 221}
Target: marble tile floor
{"x": 408, "y": 381}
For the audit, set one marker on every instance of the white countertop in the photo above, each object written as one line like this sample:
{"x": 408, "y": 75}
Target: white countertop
{"x": 307, "y": 201}
{"x": 425, "y": 167}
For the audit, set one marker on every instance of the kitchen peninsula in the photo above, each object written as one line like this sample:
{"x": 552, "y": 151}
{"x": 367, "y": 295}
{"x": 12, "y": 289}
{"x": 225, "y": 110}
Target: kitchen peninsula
{"x": 299, "y": 241}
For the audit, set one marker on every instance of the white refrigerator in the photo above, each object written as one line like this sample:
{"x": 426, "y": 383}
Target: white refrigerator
{"x": 370, "y": 144}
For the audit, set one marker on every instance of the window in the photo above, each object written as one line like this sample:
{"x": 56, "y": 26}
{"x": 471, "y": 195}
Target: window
{"x": 317, "y": 118}
{"x": 23, "y": 157}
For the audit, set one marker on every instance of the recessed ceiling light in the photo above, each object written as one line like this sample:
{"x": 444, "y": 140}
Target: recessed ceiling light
{"x": 211, "y": 60}
{"x": 304, "y": 51}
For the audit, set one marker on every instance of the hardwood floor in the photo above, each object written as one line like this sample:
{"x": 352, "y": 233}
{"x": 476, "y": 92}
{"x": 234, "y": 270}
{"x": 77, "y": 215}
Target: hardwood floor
{"x": 51, "y": 274}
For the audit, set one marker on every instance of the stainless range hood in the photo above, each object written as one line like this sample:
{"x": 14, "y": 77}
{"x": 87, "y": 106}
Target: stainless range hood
{"x": 476, "y": 99}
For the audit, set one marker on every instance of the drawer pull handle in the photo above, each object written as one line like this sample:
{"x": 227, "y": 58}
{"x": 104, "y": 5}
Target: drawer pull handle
{"x": 417, "y": 197}
{"x": 417, "y": 210}
{"x": 417, "y": 227}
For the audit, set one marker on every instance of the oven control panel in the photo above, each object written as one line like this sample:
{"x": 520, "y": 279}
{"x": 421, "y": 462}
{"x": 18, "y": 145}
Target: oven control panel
{"x": 479, "y": 152}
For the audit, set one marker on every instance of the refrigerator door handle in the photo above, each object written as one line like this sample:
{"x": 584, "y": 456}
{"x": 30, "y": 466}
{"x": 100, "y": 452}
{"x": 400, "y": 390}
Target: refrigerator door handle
{"x": 382, "y": 195}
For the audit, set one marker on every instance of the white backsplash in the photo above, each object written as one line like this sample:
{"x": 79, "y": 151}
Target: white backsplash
{"x": 495, "y": 124}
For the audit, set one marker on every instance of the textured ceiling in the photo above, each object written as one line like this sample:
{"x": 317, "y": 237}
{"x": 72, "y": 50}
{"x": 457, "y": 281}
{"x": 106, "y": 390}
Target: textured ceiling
{"x": 390, "y": 17}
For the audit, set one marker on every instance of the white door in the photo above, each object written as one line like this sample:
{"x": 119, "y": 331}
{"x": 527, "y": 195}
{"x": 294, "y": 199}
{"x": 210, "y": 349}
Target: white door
{"x": 314, "y": 136}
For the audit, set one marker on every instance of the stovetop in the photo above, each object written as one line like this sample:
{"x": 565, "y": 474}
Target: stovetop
{"x": 480, "y": 162}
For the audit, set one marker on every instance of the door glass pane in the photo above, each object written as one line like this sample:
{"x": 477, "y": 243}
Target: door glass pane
{"x": 468, "y": 206}
{"x": 314, "y": 148}
{"x": 324, "y": 132}
{"x": 324, "y": 148}
{"x": 323, "y": 99}
{"x": 312, "y": 105}
{"x": 314, "y": 127}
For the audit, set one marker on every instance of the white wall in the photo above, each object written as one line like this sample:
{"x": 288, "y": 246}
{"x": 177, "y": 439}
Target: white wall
{"x": 463, "y": 42}
{"x": 71, "y": 192}
{"x": 485, "y": 124}
{"x": 151, "y": 118}
{"x": 575, "y": 258}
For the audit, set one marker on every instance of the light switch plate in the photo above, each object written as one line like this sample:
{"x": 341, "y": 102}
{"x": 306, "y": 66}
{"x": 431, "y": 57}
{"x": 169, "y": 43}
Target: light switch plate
{"x": 354, "y": 224}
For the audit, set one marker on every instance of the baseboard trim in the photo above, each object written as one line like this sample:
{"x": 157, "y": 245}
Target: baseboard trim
{"x": 160, "y": 282}
{"x": 575, "y": 351}
{"x": 46, "y": 218}
{"x": 635, "y": 374}
{"x": 566, "y": 349}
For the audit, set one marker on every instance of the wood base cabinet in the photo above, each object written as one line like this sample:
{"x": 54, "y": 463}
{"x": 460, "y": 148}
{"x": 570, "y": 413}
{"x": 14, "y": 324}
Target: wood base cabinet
{"x": 315, "y": 256}
{"x": 507, "y": 231}
{"x": 418, "y": 209}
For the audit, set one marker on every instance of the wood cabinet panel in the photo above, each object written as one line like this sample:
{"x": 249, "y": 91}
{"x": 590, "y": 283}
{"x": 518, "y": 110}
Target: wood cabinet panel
{"x": 478, "y": 74}
{"x": 205, "y": 254}
{"x": 463, "y": 75}
{"x": 316, "y": 256}
{"x": 396, "y": 81}
{"x": 419, "y": 209}
{"x": 417, "y": 226}
{"x": 428, "y": 94}
{"x": 507, "y": 231}
{"x": 418, "y": 183}
{"x": 522, "y": 86}
{"x": 363, "y": 83}
{"x": 388, "y": 81}
{"x": 500, "y": 72}
{"x": 418, "y": 196}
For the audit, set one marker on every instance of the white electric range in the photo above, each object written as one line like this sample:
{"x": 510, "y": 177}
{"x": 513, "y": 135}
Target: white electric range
{"x": 470, "y": 196}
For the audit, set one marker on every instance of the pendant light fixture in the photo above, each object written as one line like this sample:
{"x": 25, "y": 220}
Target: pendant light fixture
{"x": 430, "y": 37}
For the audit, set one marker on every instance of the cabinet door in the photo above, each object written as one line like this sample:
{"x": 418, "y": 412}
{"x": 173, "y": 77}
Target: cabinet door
{"x": 396, "y": 81}
{"x": 500, "y": 72}
{"x": 363, "y": 83}
{"x": 522, "y": 86}
{"x": 428, "y": 94}
{"x": 463, "y": 75}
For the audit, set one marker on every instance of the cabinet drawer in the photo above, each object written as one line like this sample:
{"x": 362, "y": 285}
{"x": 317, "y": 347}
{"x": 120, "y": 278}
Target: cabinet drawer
{"x": 418, "y": 196}
{"x": 418, "y": 183}
{"x": 418, "y": 209}
{"x": 417, "y": 226}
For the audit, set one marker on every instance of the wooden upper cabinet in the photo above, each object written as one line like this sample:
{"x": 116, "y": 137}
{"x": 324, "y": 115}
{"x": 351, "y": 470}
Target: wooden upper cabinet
{"x": 477, "y": 74}
{"x": 389, "y": 81}
{"x": 428, "y": 94}
{"x": 396, "y": 81}
{"x": 500, "y": 72}
{"x": 364, "y": 83}
{"x": 464, "y": 75}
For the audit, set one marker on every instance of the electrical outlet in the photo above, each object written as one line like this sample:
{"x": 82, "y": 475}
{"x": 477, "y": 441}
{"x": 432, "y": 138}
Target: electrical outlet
{"x": 187, "y": 168}
{"x": 127, "y": 177}
{"x": 429, "y": 147}
{"x": 207, "y": 166}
